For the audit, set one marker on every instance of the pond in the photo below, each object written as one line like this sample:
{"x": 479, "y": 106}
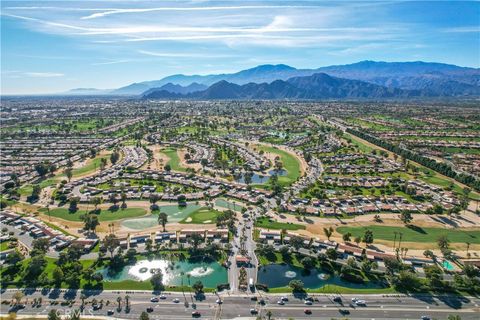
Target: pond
{"x": 279, "y": 275}
{"x": 259, "y": 178}
{"x": 175, "y": 214}
{"x": 211, "y": 273}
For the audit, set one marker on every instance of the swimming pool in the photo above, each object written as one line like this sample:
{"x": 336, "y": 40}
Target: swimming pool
{"x": 447, "y": 265}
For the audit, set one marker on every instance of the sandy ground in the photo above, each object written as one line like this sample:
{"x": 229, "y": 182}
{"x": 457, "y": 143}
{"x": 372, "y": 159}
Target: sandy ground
{"x": 183, "y": 163}
{"x": 159, "y": 159}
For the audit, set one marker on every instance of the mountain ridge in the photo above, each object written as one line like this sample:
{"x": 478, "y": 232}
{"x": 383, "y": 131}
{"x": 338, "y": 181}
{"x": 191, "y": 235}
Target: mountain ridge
{"x": 316, "y": 86}
{"x": 439, "y": 78}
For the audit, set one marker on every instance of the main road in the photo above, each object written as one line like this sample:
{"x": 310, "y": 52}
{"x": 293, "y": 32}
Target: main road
{"x": 240, "y": 305}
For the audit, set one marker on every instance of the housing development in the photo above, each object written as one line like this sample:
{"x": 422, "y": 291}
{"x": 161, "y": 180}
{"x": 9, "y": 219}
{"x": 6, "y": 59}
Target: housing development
{"x": 146, "y": 208}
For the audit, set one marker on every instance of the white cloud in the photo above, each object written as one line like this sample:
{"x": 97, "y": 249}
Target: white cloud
{"x": 43, "y": 74}
{"x": 22, "y": 74}
{"x": 468, "y": 29}
{"x": 213, "y": 8}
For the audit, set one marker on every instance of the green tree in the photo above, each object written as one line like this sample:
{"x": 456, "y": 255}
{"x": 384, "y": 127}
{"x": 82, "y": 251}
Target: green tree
{"x": 57, "y": 275}
{"x": 162, "y": 219}
{"x": 368, "y": 237}
{"x": 443, "y": 242}
{"x": 198, "y": 286}
{"x": 296, "y": 285}
{"x": 53, "y": 315}
{"x": 157, "y": 281}
{"x": 406, "y": 217}
{"x": 328, "y": 232}
{"x": 332, "y": 254}
{"x": 111, "y": 243}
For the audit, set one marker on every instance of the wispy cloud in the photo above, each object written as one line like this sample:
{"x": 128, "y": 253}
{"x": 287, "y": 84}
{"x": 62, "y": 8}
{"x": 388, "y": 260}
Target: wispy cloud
{"x": 185, "y": 55}
{"x": 22, "y": 74}
{"x": 209, "y": 8}
{"x": 467, "y": 29}
{"x": 110, "y": 62}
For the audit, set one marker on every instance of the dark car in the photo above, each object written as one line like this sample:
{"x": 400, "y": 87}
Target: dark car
{"x": 149, "y": 309}
{"x": 196, "y": 314}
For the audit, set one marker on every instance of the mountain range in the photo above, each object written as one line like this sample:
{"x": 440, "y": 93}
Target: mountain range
{"x": 409, "y": 78}
{"x": 316, "y": 86}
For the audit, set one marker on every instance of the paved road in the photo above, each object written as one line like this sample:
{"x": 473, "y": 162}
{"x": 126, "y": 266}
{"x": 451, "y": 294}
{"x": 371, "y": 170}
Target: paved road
{"x": 238, "y": 306}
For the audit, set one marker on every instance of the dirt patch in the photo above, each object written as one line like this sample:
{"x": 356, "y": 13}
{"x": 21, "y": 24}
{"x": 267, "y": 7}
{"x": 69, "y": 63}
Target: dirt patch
{"x": 183, "y": 163}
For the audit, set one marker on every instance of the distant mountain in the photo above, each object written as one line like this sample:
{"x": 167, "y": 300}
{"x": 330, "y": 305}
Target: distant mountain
{"x": 316, "y": 86}
{"x": 441, "y": 79}
{"x": 87, "y": 91}
{"x": 435, "y": 78}
{"x": 176, "y": 88}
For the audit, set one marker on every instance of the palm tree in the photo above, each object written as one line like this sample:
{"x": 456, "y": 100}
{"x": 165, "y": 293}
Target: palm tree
{"x": 269, "y": 314}
{"x": 127, "y": 302}
{"x": 162, "y": 219}
{"x": 119, "y": 300}
{"x": 328, "y": 232}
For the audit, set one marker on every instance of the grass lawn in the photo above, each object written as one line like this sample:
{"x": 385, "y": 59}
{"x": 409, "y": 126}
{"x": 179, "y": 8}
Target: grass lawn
{"x": 264, "y": 222}
{"x": 415, "y": 234}
{"x": 202, "y": 215}
{"x": 4, "y": 245}
{"x": 278, "y": 258}
{"x": 174, "y": 161}
{"x": 290, "y": 163}
{"x": 27, "y": 189}
{"x": 104, "y": 215}
{"x": 91, "y": 166}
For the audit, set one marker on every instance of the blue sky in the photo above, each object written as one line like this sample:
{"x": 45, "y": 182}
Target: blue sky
{"x": 53, "y": 46}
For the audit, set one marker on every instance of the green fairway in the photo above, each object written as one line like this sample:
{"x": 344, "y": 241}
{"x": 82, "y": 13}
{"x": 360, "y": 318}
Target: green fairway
{"x": 90, "y": 167}
{"x": 104, "y": 215}
{"x": 290, "y": 163}
{"x": 271, "y": 224}
{"x": 202, "y": 215}
{"x": 174, "y": 161}
{"x": 415, "y": 234}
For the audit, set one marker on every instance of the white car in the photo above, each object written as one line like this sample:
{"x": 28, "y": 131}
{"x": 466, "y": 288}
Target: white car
{"x": 360, "y": 303}
{"x": 281, "y": 302}
{"x": 163, "y": 297}
{"x": 308, "y": 302}
{"x": 154, "y": 299}
{"x": 176, "y": 300}
{"x": 219, "y": 301}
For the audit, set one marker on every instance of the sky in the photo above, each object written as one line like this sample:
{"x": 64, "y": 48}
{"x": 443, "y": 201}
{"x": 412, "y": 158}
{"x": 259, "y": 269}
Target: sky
{"x": 54, "y": 46}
